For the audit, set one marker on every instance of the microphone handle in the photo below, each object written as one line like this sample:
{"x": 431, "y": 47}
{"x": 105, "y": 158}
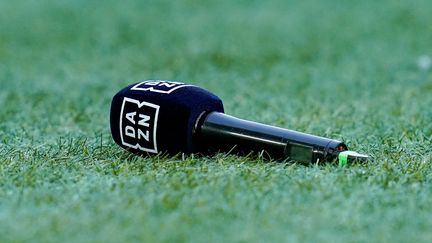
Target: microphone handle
{"x": 217, "y": 131}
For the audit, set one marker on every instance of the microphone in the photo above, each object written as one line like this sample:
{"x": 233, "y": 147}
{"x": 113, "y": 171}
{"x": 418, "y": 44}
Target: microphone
{"x": 156, "y": 116}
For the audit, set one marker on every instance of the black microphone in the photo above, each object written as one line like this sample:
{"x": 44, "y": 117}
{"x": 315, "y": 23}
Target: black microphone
{"x": 155, "y": 116}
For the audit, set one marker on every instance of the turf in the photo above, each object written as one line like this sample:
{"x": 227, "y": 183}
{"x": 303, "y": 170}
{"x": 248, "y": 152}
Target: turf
{"x": 349, "y": 70}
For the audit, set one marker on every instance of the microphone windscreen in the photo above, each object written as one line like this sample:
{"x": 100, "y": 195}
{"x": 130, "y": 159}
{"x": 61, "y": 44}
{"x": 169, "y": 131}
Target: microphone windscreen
{"x": 159, "y": 116}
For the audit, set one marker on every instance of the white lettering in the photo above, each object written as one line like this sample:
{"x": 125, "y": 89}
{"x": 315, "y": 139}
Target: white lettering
{"x": 169, "y": 85}
{"x": 141, "y": 134}
{"x": 144, "y": 120}
{"x": 152, "y": 83}
{"x": 131, "y": 117}
{"x": 130, "y": 131}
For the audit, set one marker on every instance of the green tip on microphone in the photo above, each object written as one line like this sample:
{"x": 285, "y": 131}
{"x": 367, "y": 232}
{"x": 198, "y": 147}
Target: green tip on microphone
{"x": 350, "y": 156}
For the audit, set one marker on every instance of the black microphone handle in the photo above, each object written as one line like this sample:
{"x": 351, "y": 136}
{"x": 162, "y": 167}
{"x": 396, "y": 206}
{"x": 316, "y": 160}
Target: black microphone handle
{"x": 217, "y": 131}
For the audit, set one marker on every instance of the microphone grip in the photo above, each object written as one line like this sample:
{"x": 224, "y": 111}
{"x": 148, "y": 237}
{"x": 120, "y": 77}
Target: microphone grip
{"x": 217, "y": 131}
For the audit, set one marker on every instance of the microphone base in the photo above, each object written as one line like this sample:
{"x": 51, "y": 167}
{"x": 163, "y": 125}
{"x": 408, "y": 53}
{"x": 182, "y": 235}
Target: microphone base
{"x": 216, "y": 132}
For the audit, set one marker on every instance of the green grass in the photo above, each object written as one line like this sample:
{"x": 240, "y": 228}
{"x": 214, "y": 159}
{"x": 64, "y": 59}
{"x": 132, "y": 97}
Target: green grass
{"x": 342, "y": 69}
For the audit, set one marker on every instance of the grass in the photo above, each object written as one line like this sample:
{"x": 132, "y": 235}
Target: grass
{"x": 342, "y": 69}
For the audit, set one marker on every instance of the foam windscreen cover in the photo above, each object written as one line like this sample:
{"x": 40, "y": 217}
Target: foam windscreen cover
{"x": 159, "y": 116}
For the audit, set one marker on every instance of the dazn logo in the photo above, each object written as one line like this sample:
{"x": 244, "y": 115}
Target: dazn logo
{"x": 138, "y": 124}
{"x": 159, "y": 86}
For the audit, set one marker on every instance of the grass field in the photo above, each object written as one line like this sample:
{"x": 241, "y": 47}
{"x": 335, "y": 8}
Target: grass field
{"x": 351, "y": 70}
